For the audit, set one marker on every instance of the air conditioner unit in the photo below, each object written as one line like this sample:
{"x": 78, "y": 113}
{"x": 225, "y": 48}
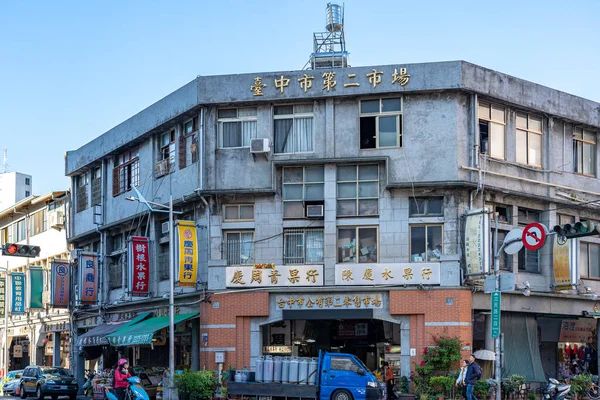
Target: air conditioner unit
{"x": 164, "y": 228}
{"x": 56, "y": 219}
{"x": 314, "y": 210}
{"x": 259, "y": 146}
{"x": 162, "y": 168}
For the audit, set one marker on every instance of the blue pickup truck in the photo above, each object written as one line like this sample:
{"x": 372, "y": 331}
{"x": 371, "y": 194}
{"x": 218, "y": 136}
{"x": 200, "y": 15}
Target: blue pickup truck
{"x": 339, "y": 377}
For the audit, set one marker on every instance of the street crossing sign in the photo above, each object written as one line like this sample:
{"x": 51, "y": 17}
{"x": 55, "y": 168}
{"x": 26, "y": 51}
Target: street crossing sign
{"x": 495, "y": 300}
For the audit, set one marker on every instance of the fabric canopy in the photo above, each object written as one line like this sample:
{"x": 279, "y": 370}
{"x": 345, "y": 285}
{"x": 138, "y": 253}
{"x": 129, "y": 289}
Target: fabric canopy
{"x": 521, "y": 347}
{"x": 142, "y": 332}
{"x": 97, "y": 336}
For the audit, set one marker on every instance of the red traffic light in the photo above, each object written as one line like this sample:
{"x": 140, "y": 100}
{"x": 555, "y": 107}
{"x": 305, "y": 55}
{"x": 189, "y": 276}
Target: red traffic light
{"x": 20, "y": 250}
{"x": 12, "y": 249}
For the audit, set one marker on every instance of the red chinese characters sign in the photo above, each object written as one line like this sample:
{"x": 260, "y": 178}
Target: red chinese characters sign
{"x": 60, "y": 284}
{"x": 139, "y": 266}
{"x": 88, "y": 276}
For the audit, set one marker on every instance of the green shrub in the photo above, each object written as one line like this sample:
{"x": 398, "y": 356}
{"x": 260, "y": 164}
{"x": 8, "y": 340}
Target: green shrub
{"x": 441, "y": 359}
{"x": 481, "y": 389}
{"x": 196, "y": 385}
{"x": 580, "y": 384}
{"x": 442, "y": 385}
{"x": 404, "y": 385}
{"x": 512, "y": 385}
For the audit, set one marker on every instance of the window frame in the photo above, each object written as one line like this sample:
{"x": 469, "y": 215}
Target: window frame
{"x": 304, "y": 183}
{"x": 579, "y": 151}
{"x": 357, "y": 229}
{"x": 528, "y": 131}
{"x": 237, "y": 119}
{"x": 358, "y": 198}
{"x": 490, "y": 120}
{"x": 293, "y": 116}
{"x": 377, "y": 115}
{"x": 226, "y": 251}
{"x": 167, "y": 151}
{"x": 493, "y": 212}
{"x": 128, "y": 161}
{"x": 588, "y": 245}
{"x": 290, "y": 231}
{"x": 522, "y": 254}
{"x": 427, "y": 199}
{"x": 426, "y": 226}
{"x": 239, "y": 212}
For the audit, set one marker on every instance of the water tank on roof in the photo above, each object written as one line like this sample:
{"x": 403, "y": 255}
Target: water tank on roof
{"x": 335, "y": 22}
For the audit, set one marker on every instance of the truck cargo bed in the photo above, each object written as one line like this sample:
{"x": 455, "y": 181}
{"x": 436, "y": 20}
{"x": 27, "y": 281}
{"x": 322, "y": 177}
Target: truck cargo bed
{"x": 272, "y": 389}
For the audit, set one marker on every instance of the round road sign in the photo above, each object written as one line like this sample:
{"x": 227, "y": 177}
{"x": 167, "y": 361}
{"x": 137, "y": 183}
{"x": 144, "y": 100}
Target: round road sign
{"x": 534, "y": 236}
{"x": 515, "y": 245}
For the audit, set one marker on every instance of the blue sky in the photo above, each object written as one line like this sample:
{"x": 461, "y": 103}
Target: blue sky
{"x": 71, "y": 70}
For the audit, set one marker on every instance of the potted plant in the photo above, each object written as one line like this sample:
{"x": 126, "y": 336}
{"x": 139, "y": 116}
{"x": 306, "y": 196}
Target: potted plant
{"x": 481, "y": 389}
{"x": 511, "y": 386}
{"x": 580, "y": 384}
{"x": 442, "y": 386}
{"x": 196, "y": 385}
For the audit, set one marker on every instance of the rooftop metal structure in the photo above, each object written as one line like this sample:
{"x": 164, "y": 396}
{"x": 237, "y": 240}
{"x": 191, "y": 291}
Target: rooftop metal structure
{"x": 329, "y": 48}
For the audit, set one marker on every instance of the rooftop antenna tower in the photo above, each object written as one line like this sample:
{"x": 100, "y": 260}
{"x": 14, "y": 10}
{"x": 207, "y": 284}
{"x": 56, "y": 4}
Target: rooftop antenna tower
{"x": 329, "y": 48}
{"x": 4, "y": 168}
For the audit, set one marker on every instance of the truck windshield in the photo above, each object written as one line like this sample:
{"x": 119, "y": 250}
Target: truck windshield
{"x": 367, "y": 370}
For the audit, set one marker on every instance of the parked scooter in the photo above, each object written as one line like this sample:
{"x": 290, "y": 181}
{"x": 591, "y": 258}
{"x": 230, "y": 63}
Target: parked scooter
{"x": 556, "y": 390}
{"x": 88, "y": 389}
{"x": 135, "y": 391}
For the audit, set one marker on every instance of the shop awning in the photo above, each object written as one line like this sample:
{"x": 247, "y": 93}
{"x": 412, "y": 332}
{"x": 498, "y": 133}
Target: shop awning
{"x": 142, "y": 332}
{"x": 97, "y": 335}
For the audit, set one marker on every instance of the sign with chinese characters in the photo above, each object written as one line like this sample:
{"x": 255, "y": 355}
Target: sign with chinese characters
{"x": 61, "y": 284}
{"x": 351, "y": 329}
{"x": 2, "y": 297}
{"x": 496, "y": 299}
{"x": 578, "y": 330}
{"x": 277, "y": 349}
{"x": 564, "y": 263}
{"x": 139, "y": 266}
{"x": 88, "y": 278}
{"x": 279, "y": 275}
{"x": 36, "y": 287}
{"x": 18, "y": 293}
{"x": 327, "y": 81}
{"x": 188, "y": 253}
{"x": 330, "y": 301}
{"x": 477, "y": 242}
{"x": 387, "y": 274}
{"x": 49, "y": 348}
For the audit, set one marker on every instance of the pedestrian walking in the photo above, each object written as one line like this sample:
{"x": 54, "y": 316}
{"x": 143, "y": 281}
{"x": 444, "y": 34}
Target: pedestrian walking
{"x": 389, "y": 380}
{"x": 473, "y": 374}
{"x": 460, "y": 381}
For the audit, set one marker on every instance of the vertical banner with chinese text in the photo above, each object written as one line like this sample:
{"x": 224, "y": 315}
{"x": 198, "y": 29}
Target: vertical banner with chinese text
{"x": 88, "y": 278}
{"x": 139, "y": 265}
{"x": 60, "y": 287}
{"x": 188, "y": 253}
{"x": 36, "y": 287}
{"x": 477, "y": 242}
{"x": 2, "y": 297}
{"x": 18, "y": 293}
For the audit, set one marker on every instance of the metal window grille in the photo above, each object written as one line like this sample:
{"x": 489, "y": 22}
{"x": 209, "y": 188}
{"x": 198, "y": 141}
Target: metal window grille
{"x": 238, "y": 248}
{"x": 303, "y": 246}
{"x": 115, "y": 272}
{"x": 163, "y": 266}
{"x": 82, "y": 196}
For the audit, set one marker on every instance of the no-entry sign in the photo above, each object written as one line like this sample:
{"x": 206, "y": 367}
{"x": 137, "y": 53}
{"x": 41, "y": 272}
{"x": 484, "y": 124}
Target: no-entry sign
{"x": 534, "y": 236}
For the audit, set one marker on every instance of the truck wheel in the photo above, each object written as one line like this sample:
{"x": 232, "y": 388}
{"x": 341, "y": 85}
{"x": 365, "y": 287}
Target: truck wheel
{"x": 341, "y": 394}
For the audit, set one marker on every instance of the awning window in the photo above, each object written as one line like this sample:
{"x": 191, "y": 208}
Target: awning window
{"x": 143, "y": 332}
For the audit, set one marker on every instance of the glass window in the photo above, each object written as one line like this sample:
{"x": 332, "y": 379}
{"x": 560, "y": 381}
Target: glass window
{"x": 293, "y": 128}
{"x": 238, "y": 212}
{"x": 237, "y": 126}
{"x": 502, "y": 212}
{"x": 529, "y": 139}
{"x": 492, "y": 123}
{"x": 584, "y": 152}
{"x": 303, "y": 246}
{"x": 357, "y": 245}
{"x": 301, "y": 184}
{"x": 238, "y": 248}
{"x": 505, "y": 260}
{"x": 589, "y": 260}
{"x": 357, "y": 190}
{"x": 426, "y": 243}
{"x": 344, "y": 364}
{"x": 381, "y": 123}
{"x": 426, "y": 206}
{"x": 528, "y": 260}
{"x": 126, "y": 171}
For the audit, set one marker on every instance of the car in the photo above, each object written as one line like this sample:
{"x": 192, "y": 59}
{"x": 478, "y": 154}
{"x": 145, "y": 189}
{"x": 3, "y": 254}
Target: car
{"x": 11, "y": 382}
{"x": 48, "y": 381}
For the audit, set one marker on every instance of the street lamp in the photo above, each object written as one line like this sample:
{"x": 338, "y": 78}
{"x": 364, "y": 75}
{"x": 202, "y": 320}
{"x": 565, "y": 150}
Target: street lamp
{"x": 169, "y": 209}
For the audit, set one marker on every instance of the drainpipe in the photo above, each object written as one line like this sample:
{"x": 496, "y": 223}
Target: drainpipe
{"x": 201, "y": 152}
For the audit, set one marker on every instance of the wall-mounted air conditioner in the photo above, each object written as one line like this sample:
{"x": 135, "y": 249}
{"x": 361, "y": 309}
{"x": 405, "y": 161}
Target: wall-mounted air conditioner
{"x": 314, "y": 210}
{"x": 259, "y": 146}
{"x": 56, "y": 219}
{"x": 164, "y": 227}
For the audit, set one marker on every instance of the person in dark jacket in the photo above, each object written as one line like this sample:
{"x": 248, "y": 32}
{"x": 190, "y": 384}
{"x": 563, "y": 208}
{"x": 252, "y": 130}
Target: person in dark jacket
{"x": 472, "y": 376}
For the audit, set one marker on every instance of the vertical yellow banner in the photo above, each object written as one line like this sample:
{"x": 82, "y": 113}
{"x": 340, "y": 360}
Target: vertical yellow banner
{"x": 562, "y": 265}
{"x": 188, "y": 253}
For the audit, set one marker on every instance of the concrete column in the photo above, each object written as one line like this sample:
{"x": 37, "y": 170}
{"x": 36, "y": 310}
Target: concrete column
{"x": 405, "y": 347}
{"x": 489, "y": 341}
{"x": 56, "y": 349}
{"x": 195, "y": 344}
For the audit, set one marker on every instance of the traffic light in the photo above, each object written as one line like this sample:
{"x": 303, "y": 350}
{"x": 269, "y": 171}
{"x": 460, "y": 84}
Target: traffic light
{"x": 20, "y": 250}
{"x": 577, "y": 230}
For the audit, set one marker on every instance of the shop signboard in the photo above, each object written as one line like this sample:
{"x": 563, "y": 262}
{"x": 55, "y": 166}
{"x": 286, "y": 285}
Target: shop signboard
{"x": 139, "y": 266}
{"x": 331, "y": 301}
{"x": 277, "y": 349}
{"x": 387, "y": 274}
{"x": 88, "y": 277}
{"x": 17, "y": 351}
{"x": 36, "y": 287}
{"x": 60, "y": 286}
{"x": 2, "y": 297}
{"x": 348, "y": 329}
{"x": 564, "y": 263}
{"x": 577, "y": 330}
{"x": 188, "y": 253}
{"x": 18, "y": 293}
{"x": 496, "y": 298}
{"x": 49, "y": 348}
{"x": 274, "y": 275}
{"x": 477, "y": 242}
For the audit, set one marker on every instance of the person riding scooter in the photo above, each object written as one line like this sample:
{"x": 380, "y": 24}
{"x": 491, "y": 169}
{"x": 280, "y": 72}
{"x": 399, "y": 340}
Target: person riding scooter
{"x": 121, "y": 376}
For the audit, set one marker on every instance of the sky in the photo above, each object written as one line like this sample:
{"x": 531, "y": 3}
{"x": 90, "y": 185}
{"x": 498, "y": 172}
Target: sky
{"x": 70, "y": 70}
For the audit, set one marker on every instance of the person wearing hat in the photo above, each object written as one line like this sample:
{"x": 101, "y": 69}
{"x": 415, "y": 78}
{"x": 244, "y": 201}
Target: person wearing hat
{"x": 121, "y": 376}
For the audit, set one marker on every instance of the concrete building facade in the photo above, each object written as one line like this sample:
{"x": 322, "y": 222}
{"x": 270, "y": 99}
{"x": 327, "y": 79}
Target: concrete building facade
{"x": 14, "y": 187}
{"x": 330, "y": 207}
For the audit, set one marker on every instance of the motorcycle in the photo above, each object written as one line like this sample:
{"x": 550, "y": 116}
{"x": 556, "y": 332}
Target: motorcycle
{"x": 88, "y": 389}
{"x": 135, "y": 391}
{"x": 556, "y": 390}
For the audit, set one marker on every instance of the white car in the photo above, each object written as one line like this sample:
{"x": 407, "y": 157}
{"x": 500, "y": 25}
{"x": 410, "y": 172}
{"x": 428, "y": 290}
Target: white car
{"x": 10, "y": 387}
